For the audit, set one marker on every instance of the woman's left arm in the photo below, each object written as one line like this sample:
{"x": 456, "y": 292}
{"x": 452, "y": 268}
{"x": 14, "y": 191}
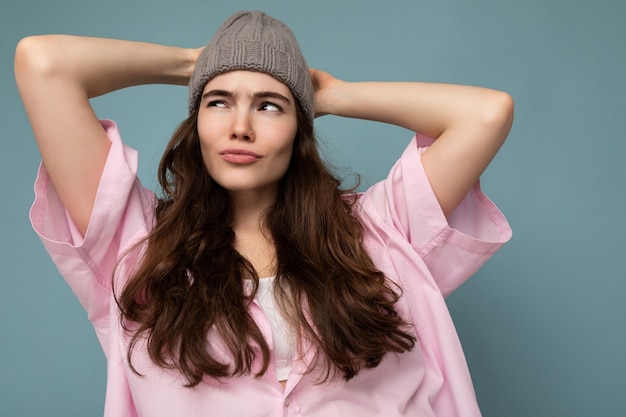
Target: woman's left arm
{"x": 469, "y": 124}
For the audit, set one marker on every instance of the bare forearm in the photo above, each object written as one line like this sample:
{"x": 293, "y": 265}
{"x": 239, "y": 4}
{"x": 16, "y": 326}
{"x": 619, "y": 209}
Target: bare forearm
{"x": 98, "y": 65}
{"x": 421, "y": 107}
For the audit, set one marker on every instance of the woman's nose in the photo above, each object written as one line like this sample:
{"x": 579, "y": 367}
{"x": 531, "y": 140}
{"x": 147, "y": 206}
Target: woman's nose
{"x": 242, "y": 128}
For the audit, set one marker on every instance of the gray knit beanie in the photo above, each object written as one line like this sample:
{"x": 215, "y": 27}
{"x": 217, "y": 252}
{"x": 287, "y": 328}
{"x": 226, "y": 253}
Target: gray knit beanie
{"x": 257, "y": 42}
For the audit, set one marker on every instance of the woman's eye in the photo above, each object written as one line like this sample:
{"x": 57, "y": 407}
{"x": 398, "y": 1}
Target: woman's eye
{"x": 267, "y": 106}
{"x": 216, "y": 103}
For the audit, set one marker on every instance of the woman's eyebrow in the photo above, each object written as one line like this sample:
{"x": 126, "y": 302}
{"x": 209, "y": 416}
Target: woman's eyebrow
{"x": 218, "y": 93}
{"x": 272, "y": 94}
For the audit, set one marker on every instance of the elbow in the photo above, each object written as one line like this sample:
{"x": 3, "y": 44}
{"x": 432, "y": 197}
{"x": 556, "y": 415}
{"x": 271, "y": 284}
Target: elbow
{"x": 33, "y": 58}
{"x": 505, "y": 109}
{"x": 498, "y": 114}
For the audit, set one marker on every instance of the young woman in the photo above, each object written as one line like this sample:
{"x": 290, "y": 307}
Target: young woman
{"x": 253, "y": 285}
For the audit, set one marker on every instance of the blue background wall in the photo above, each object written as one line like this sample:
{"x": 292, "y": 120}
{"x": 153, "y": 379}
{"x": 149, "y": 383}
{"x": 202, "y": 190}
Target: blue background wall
{"x": 542, "y": 323}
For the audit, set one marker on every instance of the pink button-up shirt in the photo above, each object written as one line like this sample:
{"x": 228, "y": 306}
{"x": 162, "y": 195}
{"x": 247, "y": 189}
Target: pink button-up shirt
{"x": 408, "y": 238}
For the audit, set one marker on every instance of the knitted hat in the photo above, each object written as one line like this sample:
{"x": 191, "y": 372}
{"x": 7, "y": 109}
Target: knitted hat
{"x": 257, "y": 42}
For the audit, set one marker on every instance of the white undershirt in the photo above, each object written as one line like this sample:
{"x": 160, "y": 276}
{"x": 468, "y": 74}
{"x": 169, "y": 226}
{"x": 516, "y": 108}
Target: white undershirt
{"x": 283, "y": 340}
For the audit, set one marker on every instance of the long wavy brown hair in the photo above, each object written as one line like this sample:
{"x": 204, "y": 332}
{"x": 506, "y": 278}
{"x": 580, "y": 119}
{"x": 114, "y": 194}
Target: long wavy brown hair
{"x": 188, "y": 288}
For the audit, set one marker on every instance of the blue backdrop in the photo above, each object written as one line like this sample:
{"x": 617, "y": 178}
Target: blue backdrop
{"x": 542, "y": 324}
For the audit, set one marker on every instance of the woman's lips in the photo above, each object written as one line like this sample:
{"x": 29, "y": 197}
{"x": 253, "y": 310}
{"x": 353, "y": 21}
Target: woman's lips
{"x": 240, "y": 156}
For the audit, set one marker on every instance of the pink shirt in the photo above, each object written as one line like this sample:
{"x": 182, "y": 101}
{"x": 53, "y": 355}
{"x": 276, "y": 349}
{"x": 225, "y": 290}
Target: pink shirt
{"x": 406, "y": 235}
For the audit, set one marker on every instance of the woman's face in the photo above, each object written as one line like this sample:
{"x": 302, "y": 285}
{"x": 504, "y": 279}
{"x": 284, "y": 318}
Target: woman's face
{"x": 247, "y": 125}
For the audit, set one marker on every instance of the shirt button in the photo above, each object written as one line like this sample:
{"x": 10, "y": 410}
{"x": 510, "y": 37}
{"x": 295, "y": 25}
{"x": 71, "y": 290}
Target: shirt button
{"x": 286, "y": 402}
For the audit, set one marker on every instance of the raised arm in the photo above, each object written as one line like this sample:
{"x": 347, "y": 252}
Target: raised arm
{"x": 469, "y": 123}
{"x": 57, "y": 75}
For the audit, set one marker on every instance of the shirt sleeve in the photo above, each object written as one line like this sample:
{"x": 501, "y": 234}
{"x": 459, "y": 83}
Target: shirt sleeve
{"x": 453, "y": 248}
{"x": 122, "y": 211}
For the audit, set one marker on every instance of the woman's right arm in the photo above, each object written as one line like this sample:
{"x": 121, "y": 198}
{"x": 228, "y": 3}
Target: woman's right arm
{"x": 57, "y": 75}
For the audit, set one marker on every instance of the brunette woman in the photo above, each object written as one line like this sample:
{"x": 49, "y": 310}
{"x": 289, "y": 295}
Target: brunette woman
{"x": 252, "y": 285}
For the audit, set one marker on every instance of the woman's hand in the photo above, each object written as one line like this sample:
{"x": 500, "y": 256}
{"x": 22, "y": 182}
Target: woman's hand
{"x": 195, "y": 53}
{"x": 326, "y": 91}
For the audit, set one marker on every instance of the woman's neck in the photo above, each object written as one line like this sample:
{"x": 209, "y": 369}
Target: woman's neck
{"x": 252, "y": 238}
{"x": 249, "y": 208}
{"x": 259, "y": 249}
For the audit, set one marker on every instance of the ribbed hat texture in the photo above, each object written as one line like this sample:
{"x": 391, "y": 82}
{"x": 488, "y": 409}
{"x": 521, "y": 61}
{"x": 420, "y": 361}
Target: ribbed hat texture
{"x": 252, "y": 40}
